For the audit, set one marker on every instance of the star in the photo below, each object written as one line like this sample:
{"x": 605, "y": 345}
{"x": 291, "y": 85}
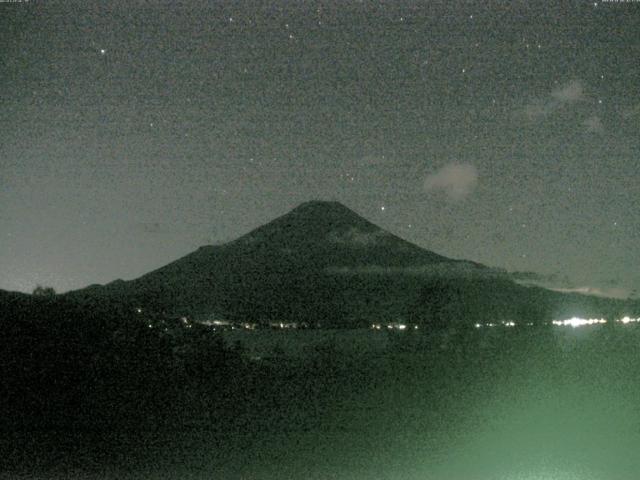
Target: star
{"x": 102, "y": 51}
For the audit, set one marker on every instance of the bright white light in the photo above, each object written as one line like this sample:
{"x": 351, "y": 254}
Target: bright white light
{"x": 401, "y": 326}
{"x": 573, "y": 322}
{"x": 578, "y": 322}
{"x": 626, "y": 320}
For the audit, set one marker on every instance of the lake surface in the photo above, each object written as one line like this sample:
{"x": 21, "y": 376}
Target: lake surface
{"x": 519, "y": 406}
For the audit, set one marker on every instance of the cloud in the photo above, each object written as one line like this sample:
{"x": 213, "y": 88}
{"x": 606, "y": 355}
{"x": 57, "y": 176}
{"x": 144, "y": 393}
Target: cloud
{"x": 457, "y": 181}
{"x": 460, "y": 269}
{"x": 593, "y": 124}
{"x": 567, "y": 93}
{"x": 539, "y": 109}
{"x": 631, "y": 112}
{"x": 355, "y": 236}
{"x": 562, "y": 284}
{"x": 553, "y": 278}
{"x": 620, "y": 293}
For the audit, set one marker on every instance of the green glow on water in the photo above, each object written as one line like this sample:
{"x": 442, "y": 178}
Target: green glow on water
{"x": 560, "y": 407}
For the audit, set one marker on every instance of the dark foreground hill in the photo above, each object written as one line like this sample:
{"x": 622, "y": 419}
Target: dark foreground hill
{"x": 325, "y": 265}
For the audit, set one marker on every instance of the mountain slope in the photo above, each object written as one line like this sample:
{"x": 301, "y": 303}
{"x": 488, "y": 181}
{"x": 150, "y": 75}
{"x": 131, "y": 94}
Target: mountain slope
{"x": 324, "y": 264}
{"x": 289, "y": 262}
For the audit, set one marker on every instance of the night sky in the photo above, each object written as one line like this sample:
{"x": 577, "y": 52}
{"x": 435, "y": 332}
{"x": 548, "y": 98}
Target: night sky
{"x": 501, "y": 132}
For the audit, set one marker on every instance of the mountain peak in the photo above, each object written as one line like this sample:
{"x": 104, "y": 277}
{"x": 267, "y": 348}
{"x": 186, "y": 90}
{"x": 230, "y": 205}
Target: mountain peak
{"x": 322, "y": 205}
{"x": 313, "y": 221}
{"x": 320, "y": 211}
{"x": 299, "y": 262}
{"x": 333, "y": 234}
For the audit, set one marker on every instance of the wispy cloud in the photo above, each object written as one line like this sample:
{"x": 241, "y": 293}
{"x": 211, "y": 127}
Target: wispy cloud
{"x": 634, "y": 111}
{"x": 567, "y": 93}
{"x": 539, "y": 109}
{"x": 442, "y": 269}
{"x": 620, "y": 293}
{"x": 355, "y": 236}
{"x": 562, "y": 284}
{"x": 456, "y": 181}
{"x": 593, "y": 124}
{"x": 570, "y": 92}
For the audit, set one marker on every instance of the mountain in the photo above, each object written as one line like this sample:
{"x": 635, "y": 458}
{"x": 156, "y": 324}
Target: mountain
{"x": 321, "y": 263}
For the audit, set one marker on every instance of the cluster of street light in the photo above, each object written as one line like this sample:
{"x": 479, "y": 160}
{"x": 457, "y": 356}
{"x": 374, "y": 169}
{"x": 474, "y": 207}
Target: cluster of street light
{"x": 579, "y": 322}
{"x": 569, "y": 322}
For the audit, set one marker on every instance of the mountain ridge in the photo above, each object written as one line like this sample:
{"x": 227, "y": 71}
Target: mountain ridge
{"x": 324, "y": 263}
